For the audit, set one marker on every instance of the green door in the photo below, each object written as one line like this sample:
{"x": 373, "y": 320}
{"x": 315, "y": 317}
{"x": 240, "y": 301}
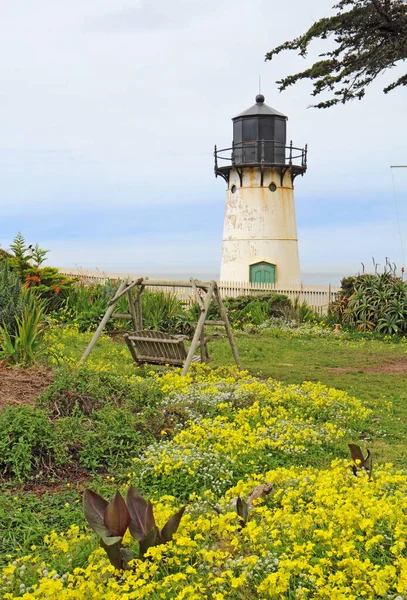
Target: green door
{"x": 263, "y": 272}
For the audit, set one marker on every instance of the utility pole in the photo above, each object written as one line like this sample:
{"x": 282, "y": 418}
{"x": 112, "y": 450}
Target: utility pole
{"x": 398, "y": 218}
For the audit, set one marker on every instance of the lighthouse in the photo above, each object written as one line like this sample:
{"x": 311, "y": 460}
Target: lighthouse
{"x": 260, "y": 243}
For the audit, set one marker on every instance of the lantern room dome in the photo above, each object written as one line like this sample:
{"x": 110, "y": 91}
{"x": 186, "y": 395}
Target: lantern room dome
{"x": 260, "y": 109}
{"x": 259, "y": 135}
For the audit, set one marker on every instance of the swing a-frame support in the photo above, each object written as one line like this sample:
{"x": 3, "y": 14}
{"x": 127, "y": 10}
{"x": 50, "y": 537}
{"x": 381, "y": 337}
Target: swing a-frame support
{"x": 160, "y": 348}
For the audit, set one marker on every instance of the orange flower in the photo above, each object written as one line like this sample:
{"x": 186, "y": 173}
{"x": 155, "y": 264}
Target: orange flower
{"x": 33, "y": 278}
{"x": 56, "y": 289}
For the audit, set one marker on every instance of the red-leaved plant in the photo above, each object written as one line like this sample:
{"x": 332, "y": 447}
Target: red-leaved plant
{"x": 110, "y": 520}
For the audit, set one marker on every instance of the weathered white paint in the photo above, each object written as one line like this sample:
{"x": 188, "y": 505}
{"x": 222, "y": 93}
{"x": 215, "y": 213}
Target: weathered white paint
{"x": 260, "y": 225}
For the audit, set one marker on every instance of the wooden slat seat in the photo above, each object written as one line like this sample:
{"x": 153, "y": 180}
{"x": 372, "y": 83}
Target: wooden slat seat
{"x": 156, "y": 347}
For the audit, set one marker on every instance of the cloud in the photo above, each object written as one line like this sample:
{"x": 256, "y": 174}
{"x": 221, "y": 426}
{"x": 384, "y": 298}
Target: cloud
{"x": 147, "y": 16}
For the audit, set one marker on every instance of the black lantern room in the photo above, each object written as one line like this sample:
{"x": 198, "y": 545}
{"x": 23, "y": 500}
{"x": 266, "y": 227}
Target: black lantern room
{"x": 259, "y": 135}
{"x": 260, "y": 140}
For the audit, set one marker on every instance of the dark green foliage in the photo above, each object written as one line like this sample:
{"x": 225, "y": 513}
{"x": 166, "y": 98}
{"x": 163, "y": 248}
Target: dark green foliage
{"x": 20, "y": 258}
{"x": 162, "y": 311}
{"x": 86, "y": 304}
{"x": 4, "y": 255}
{"x": 28, "y": 442}
{"x": 373, "y": 303}
{"x": 32, "y": 443}
{"x": 255, "y": 309}
{"x": 303, "y": 313}
{"x": 370, "y": 37}
{"x": 12, "y": 298}
{"x": 111, "y": 520}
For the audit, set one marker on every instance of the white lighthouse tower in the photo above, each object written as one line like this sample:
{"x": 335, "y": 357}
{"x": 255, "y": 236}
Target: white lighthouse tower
{"x": 260, "y": 243}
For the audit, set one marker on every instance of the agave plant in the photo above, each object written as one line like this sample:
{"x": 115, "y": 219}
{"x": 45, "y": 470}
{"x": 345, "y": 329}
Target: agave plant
{"x": 373, "y": 302}
{"x": 23, "y": 344}
{"x": 110, "y": 521}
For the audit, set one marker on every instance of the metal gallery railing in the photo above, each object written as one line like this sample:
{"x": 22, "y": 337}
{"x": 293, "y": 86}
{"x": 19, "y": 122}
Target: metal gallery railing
{"x": 261, "y": 152}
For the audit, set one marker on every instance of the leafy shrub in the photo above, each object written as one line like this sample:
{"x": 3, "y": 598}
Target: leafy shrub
{"x": 86, "y": 304}
{"x": 373, "y": 303}
{"x": 255, "y": 309}
{"x": 27, "y": 442}
{"x": 113, "y": 436}
{"x": 84, "y": 390}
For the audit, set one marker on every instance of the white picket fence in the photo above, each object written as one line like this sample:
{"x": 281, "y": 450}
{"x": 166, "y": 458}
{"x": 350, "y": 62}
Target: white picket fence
{"x": 319, "y": 297}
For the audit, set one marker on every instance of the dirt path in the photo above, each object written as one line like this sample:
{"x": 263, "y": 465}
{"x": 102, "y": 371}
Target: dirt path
{"x": 22, "y": 386}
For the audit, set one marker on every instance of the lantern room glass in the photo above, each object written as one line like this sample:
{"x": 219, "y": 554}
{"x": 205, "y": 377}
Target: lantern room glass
{"x": 259, "y": 140}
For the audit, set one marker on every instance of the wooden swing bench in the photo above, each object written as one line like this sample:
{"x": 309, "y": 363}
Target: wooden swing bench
{"x": 156, "y": 347}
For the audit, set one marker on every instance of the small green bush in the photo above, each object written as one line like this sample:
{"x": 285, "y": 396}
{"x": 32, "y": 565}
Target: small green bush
{"x": 114, "y": 436}
{"x": 84, "y": 390}
{"x": 28, "y": 442}
{"x": 256, "y": 308}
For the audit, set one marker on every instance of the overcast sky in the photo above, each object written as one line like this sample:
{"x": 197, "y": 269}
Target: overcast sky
{"x": 109, "y": 112}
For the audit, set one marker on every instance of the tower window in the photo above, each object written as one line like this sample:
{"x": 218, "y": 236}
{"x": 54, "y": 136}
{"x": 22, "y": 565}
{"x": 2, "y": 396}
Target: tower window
{"x": 233, "y": 189}
{"x": 272, "y": 187}
{"x": 263, "y": 272}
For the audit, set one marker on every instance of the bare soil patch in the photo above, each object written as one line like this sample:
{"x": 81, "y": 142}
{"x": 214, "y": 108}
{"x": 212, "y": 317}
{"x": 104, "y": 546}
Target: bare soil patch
{"x": 77, "y": 481}
{"x": 397, "y": 366}
{"x": 22, "y": 386}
